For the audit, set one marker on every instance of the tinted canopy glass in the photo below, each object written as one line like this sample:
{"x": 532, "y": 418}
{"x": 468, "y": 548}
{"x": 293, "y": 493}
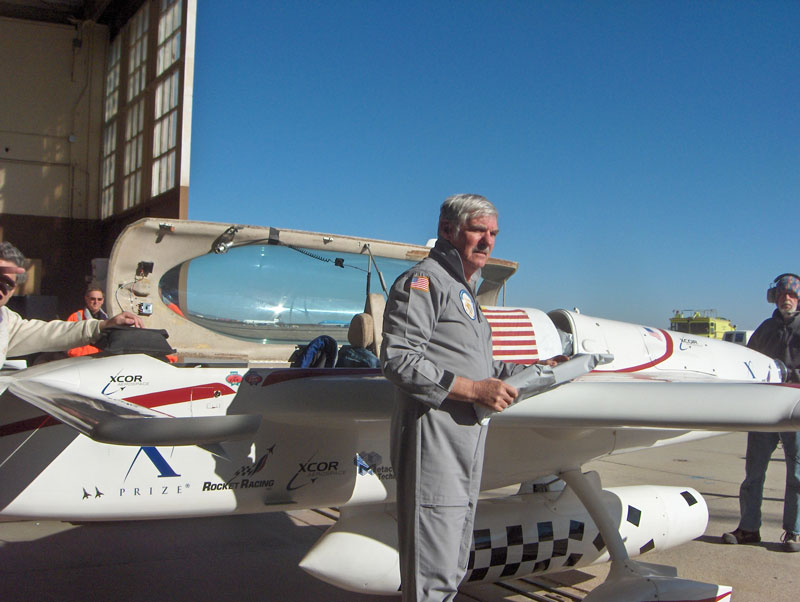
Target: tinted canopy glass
{"x": 274, "y": 293}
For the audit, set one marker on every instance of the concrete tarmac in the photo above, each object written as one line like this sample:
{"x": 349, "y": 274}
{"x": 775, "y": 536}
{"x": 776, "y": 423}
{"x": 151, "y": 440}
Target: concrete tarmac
{"x": 255, "y": 557}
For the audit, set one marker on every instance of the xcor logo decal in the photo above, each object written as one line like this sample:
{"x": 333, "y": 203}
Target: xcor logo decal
{"x": 118, "y": 382}
{"x": 309, "y": 471}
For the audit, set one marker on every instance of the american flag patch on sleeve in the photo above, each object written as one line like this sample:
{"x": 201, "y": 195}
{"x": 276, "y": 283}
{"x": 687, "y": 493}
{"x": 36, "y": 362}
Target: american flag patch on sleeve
{"x": 420, "y": 283}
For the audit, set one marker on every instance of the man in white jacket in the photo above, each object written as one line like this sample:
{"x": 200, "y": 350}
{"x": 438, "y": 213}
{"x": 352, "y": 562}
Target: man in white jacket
{"x": 21, "y": 337}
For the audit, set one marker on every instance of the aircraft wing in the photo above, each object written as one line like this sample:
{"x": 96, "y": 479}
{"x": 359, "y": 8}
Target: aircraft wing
{"x": 598, "y": 400}
{"x": 109, "y": 420}
{"x": 341, "y": 398}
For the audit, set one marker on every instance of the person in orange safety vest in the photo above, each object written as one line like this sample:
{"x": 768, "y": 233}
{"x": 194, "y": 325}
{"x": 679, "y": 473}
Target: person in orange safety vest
{"x": 94, "y": 309}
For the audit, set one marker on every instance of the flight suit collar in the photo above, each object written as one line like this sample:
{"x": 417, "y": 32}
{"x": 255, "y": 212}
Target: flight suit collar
{"x": 449, "y": 257}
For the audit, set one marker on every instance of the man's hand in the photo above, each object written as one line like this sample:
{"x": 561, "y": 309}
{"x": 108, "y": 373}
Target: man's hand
{"x": 494, "y": 393}
{"x": 554, "y": 361}
{"x": 490, "y": 392}
{"x": 125, "y": 318}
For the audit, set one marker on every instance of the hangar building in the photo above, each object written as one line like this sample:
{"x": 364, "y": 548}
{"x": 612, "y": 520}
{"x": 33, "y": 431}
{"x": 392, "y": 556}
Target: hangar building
{"x": 95, "y": 132}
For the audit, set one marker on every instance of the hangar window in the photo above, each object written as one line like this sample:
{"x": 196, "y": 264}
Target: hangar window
{"x": 112, "y": 80}
{"x": 169, "y": 35}
{"x": 131, "y": 192}
{"x": 109, "y": 163}
{"x": 111, "y": 107}
{"x": 137, "y": 53}
{"x": 165, "y": 134}
{"x": 143, "y": 109}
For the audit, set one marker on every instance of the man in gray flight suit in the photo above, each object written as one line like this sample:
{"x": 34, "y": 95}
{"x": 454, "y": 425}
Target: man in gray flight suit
{"x": 437, "y": 350}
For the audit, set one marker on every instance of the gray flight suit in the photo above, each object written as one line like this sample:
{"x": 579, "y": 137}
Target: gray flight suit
{"x": 433, "y": 331}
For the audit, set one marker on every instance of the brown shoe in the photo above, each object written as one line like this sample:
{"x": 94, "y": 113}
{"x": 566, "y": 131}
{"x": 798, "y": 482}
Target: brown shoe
{"x": 743, "y": 537}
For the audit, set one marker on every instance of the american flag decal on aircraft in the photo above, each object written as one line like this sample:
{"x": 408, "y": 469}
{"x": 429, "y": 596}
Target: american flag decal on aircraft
{"x": 513, "y": 338}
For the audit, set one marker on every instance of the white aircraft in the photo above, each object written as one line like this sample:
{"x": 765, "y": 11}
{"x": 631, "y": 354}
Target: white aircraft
{"x": 231, "y": 428}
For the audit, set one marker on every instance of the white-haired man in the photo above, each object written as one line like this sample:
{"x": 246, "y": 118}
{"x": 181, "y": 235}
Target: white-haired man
{"x": 22, "y": 337}
{"x": 437, "y": 350}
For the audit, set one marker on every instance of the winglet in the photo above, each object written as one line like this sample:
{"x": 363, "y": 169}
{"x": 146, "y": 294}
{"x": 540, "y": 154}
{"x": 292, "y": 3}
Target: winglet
{"x": 109, "y": 420}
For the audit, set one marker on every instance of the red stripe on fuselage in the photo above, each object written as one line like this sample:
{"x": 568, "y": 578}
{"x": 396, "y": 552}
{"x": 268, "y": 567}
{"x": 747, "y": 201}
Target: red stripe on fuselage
{"x": 182, "y": 395}
{"x": 148, "y": 400}
{"x": 667, "y": 355}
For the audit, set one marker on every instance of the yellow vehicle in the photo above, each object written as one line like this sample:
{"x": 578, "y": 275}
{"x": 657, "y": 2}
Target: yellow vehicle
{"x": 703, "y": 322}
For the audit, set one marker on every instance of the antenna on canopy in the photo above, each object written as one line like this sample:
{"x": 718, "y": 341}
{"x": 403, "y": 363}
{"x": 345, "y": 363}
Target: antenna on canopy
{"x": 377, "y": 270}
{"x": 369, "y": 274}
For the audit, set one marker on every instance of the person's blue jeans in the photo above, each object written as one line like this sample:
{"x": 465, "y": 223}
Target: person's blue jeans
{"x": 759, "y": 450}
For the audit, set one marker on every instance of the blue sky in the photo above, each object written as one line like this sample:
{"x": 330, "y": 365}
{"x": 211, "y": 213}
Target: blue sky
{"x": 644, "y": 156}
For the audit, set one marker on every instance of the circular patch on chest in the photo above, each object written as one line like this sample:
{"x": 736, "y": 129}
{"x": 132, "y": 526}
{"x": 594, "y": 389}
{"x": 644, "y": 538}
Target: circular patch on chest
{"x": 467, "y": 303}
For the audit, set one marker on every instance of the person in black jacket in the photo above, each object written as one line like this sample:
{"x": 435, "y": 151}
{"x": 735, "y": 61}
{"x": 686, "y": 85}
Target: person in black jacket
{"x": 779, "y": 338}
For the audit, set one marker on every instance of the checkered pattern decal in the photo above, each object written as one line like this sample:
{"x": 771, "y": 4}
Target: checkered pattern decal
{"x": 513, "y": 338}
{"x": 515, "y": 552}
{"x": 497, "y": 555}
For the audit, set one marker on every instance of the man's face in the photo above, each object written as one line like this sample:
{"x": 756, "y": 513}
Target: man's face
{"x": 787, "y": 301}
{"x": 94, "y": 301}
{"x": 474, "y": 242}
{"x": 8, "y": 280}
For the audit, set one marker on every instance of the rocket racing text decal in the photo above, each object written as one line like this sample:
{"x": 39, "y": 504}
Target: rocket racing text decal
{"x": 243, "y": 478}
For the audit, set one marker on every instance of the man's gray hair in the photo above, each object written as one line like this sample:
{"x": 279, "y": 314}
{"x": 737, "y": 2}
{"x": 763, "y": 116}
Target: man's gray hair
{"x": 458, "y": 209}
{"x": 9, "y": 252}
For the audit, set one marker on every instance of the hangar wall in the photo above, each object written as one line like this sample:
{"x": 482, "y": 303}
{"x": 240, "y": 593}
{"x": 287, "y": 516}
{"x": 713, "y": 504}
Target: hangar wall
{"x": 49, "y": 119}
{"x": 67, "y": 163}
{"x": 50, "y": 127}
